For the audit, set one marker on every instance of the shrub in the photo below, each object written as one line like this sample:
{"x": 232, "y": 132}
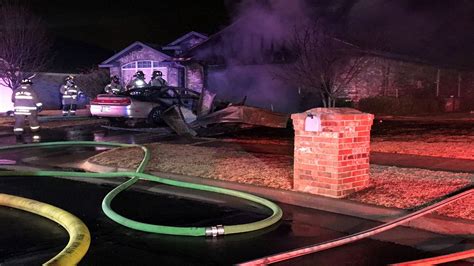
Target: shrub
{"x": 344, "y": 102}
{"x": 408, "y": 104}
{"x": 93, "y": 81}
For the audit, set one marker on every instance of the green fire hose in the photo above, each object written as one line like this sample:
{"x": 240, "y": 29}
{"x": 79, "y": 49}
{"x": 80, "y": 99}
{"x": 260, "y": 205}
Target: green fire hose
{"x": 138, "y": 174}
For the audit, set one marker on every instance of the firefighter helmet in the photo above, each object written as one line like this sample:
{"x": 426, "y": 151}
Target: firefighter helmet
{"x": 156, "y": 73}
{"x": 68, "y": 78}
{"x": 140, "y": 74}
{"x": 115, "y": 79}
{"x": 26, "y": 81}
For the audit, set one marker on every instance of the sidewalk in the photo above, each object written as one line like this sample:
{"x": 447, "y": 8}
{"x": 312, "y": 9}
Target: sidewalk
{"x": 423, "y": 162}
{"x": 458, "y": 116}
{"x": 52, "y": 119}
{"x": 55, "y": 115}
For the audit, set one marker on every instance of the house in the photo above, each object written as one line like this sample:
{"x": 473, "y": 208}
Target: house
{"x": 148, "y": 57}
{"x": 234, "y": 66}
{"x": 237, "y": 65}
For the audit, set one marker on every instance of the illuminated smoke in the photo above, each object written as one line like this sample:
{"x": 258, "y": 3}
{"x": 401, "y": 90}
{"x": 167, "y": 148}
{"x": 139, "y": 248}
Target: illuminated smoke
{"x": 258, "y": 28}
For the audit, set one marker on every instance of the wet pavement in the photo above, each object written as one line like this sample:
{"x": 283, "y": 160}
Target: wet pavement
{"x": 29, "y": 239}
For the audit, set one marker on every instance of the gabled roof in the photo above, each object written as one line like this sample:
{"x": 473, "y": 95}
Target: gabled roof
{"x": 187, "y": 35}
{"x": 211, "y": 39}
{"x": 107, "y": 63}
{"x": 397, "y": 54}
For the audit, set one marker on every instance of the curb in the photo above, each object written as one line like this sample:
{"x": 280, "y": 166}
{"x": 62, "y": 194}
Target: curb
{"x": 62, "y": 118}
{"x": 432, "y": 223}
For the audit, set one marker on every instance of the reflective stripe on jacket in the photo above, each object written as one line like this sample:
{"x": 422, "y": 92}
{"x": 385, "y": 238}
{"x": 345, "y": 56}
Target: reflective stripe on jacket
{"x": 25, "y": 98}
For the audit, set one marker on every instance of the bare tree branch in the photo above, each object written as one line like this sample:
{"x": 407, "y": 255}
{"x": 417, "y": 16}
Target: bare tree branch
{"x": 322, "y": 63}
{"x": 23, "y": 43}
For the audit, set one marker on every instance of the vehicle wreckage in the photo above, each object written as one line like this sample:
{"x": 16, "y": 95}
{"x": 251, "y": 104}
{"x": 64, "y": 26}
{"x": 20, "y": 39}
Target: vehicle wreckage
{"x": 185, "y": 111}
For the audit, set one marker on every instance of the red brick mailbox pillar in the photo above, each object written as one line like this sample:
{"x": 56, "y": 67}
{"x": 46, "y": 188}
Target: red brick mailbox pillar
{"x": 332, "y": 147}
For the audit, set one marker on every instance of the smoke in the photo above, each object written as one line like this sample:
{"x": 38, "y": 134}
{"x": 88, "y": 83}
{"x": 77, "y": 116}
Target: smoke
{"x": 259, "y": 29}
{"x": 437, "y": 30}
{"x": 442, "y": 31}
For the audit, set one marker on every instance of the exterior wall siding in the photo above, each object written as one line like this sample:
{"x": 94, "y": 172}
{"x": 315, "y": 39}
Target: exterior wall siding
{"x": 173, "y": 77}
{"x": 115, "y": 71}
{"x": 141, "y": 54}
{"x": 195, "y": 77}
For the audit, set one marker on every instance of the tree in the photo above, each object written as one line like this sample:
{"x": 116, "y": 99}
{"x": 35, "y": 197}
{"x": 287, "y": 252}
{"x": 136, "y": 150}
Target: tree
{"x": 24, "y": 43}
{"x": 322, "y": 63}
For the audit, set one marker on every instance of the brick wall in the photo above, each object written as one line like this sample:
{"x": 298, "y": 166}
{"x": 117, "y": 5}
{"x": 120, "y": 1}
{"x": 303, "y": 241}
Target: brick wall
{"x": 390, "y": 77}
{"x": 333, "y": 162}
{"x": 194, "y": 77}
{"x": 141, "y": 54}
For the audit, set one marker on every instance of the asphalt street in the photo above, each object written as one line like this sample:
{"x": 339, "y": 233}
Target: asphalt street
{"x": 28, "y": 239}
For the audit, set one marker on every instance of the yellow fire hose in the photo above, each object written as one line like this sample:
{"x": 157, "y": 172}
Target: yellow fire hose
{"x": 79, "y": 236}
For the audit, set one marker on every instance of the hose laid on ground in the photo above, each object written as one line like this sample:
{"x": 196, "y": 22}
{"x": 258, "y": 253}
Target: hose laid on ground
{"x": 439, "y": 259}
{"x": 138, "y": 174}
{"x": 357, "y": 236}
{"x": 79, "y": 236}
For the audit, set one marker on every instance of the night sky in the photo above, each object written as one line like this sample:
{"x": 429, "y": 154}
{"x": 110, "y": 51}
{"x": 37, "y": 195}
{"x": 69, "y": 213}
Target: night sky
{"x": 115, "y": 24}
{"x": 88, "y": 32}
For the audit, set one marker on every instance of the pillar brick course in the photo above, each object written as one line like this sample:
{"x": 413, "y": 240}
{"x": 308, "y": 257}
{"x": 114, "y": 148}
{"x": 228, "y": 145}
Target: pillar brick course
{"x": 334, "y": 161}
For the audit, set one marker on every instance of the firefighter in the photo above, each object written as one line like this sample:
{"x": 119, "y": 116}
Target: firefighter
{"x": 157, "y": 79}
{"x": 138, "y": 81}
{"x": 114, "y": 87}
{"x": 69, "y": 93}
{"x": 26, "y": 105}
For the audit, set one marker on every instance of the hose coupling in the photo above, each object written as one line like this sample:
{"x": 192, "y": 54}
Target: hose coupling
{"x": 215, "y": 230}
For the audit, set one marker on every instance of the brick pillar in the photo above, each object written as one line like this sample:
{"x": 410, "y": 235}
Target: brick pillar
{"x": 333, "y": 160}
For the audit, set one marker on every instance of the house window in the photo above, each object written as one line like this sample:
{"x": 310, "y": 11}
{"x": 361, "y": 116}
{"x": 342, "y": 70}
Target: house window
{"x": 147, "y": 66}
{"x": 129, "y": 65}
{"x": 144, "y": 64}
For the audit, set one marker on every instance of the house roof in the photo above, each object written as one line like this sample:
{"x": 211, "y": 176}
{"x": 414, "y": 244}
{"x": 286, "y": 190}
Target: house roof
{"x": 398, "y": 54}
{"x": 211, "y": 39}
{"x": 107, "y": 63}
{"x": 185, "y": 36}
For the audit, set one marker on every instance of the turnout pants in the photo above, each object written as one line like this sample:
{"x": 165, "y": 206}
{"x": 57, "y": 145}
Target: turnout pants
{"x": 69, "y": 109}
{"x": 69, "y": 105}
{"x": 20, "y": 122}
